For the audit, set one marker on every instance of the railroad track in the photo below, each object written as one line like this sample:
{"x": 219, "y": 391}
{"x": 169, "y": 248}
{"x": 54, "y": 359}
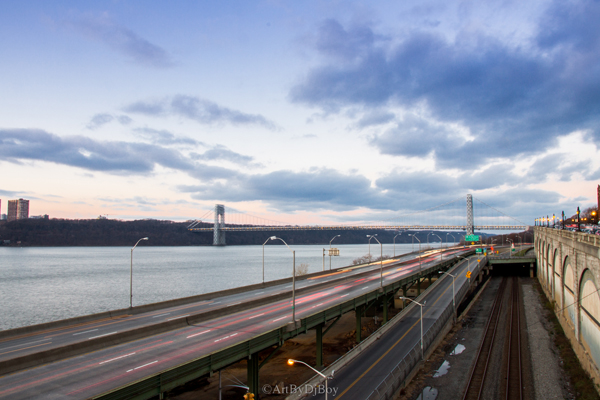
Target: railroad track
{"x": 478, "y": 374}
{"x": 513, "y": 373}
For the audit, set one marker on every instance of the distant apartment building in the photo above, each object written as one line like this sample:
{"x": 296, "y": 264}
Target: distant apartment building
{"x": 17, "y": 209}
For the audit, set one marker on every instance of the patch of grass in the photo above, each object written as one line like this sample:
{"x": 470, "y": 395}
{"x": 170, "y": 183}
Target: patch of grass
{"x": 584, "y": 386}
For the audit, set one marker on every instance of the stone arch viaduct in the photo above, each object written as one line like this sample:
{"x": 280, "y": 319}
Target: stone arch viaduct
{"x": 568, "y": 268}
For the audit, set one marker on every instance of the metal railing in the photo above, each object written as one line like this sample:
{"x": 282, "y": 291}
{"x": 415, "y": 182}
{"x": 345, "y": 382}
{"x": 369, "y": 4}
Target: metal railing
{"x": 396, "y": 379}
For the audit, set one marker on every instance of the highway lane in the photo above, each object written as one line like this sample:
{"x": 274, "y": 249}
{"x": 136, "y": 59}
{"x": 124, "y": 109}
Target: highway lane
{"x": 99, "y": 371}
{"x": 45, "y": 339}
{"x": 359, "y": 378}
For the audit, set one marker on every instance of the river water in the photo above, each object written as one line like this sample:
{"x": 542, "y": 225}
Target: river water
{"x": 41, "y": 284}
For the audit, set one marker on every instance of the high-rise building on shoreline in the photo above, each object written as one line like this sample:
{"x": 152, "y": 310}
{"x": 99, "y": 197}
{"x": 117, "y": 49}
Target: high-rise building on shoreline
{"x": 17, "y": 209}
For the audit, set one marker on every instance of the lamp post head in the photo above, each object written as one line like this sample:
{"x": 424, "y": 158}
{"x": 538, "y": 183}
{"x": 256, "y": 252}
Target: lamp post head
{"x": 272, "y": 237}
{"x": 145, "y": 238}
{"x": 290, "y": 361}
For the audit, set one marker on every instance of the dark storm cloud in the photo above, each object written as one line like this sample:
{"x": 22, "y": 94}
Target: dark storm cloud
{"x": 122, "y": 40}
{"x": 512, "y": 100}
{"x": 199, "y": 110}
{"x": 316, "y": 189}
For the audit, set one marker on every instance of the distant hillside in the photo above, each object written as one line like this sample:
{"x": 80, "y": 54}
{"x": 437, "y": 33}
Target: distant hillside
{"x": 109, "y": 232}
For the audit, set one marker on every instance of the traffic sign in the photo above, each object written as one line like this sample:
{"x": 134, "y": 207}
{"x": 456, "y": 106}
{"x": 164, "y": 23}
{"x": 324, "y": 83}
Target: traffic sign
{"x": 478, "y": 251}
{"x": 472, "y": 238}
{"x": 469, "y": 274}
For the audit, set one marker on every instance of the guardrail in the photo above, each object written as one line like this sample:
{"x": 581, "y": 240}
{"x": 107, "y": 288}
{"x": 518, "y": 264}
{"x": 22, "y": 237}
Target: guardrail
{"x": 167, "y": 380}
{"x": 397, "y": 378}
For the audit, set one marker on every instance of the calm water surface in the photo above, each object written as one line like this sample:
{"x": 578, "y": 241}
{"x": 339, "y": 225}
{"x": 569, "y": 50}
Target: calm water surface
{"x": 41, "y": 284}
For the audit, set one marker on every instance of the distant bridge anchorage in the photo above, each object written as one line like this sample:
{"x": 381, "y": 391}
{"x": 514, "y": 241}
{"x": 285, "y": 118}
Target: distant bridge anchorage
{"x": 444, "y": 217}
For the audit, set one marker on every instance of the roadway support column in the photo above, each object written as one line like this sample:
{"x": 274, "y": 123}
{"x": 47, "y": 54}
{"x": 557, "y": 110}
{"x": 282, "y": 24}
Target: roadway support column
{"x": 319, "y": 329}
{"x": 253, "y": 368}
{"x": 386, "y": 300}
{"x": 419, "y": 286}
{"x": 359, "y": 311}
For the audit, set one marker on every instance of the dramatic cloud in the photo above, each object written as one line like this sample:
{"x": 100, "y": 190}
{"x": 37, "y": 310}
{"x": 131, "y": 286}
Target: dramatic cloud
{"x": 82, "y": 152}
{"x": 317, "y": 189}
{"x": 122, "y": 40}
{"x": 199, "y": 110}
{"x": 510, "y": 100}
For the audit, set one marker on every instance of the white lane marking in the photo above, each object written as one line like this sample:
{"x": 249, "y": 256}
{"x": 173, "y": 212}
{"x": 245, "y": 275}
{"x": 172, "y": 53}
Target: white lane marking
{"x": 217, "y": 302}
{"x": 226, "y": 337}
{"x": 116, "y": 358}
{"x": 106, "y": 334}
{"x": 345, "y": 295}
{"x": 289, "y": 286}
{"x": 161, "y": 315}
{"x": 366, "y": 287}
{"x": 275, "y": 320}
{"x": 196, "y": 334}
{"x": 141, "y": 366}
{"x": 181, "y": 316}
{"x": 257, "y": 315}
{"x": 79, "y": 333}
{"x": 260, "y": 293}
{"x": 234, "y": 304}
{"x": 320, "y": 304}
{"x": 25, "y": 344}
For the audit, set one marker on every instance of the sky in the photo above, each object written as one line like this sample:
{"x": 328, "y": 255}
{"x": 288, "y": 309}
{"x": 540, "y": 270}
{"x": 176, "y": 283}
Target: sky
{"x": 303, "y": 112}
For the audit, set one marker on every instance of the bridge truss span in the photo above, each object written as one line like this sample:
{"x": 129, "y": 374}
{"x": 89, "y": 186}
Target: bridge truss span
{"x": 446, "y": 217}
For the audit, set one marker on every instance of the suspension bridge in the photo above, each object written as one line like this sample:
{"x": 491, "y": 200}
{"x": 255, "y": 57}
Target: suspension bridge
{"x": 454, "y": 215}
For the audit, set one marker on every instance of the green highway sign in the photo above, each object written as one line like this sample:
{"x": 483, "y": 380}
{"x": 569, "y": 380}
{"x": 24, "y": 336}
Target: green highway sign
{"x": 478, "y": 251}
{"x": 472, "y": 238}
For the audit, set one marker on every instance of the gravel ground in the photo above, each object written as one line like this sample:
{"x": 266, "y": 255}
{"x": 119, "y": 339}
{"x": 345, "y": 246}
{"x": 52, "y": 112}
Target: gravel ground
{"x": 447, "y": 381}
{"x": 548, "y": 377}
{"x": 545, "y": 365}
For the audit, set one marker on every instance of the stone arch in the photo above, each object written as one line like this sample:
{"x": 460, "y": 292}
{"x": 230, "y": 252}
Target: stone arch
{"x": 569, "y": 307}
{"x": 589, "y": 315}
{"x": 557, "y": 278}
{"x": 548, "y": 270}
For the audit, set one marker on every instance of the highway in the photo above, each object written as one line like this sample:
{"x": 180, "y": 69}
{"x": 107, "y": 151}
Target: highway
{"x": 359, "y": 378}
{"x": 99, "y": 371}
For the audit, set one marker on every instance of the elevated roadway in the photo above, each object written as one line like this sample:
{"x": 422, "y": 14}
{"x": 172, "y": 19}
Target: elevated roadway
{"x": 367, "y": 374}
{"x": 116, "y": 365}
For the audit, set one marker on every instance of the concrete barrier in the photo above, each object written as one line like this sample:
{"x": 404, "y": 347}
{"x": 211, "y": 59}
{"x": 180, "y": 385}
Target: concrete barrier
{"x": 71, "y": 350}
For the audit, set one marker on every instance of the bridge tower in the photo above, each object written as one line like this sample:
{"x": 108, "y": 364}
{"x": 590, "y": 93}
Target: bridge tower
{"x": 469, "y": 214}
{"x": 218, "y": 234}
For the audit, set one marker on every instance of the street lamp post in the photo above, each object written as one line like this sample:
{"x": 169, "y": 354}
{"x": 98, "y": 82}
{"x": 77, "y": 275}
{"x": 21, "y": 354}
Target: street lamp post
{"x": 414, "y": 237}
{"x": 430, "y": 233}
{"x": 293, "y": 278}
{"x": 370, "y": 237}
{"x": 468, "y": 265}
{"x": 330, "y": 250}
{"x": 380, "y": 258}
{"x": 131, "y": 273}
{"x": 292, "y": 362}
{"x": 270, "y": 238}
{"x": 414, "y": 301}
{"x": 511, "y": 244}
{"x": 453, "y": 295}
{"x": 441, "y": 245}
{"x": 395, "y": 243}
{"x": 453, "y": 238}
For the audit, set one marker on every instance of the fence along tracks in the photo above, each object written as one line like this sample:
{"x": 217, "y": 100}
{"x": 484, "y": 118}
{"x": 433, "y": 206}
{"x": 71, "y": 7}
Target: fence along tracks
{"x": 513, "y": 372}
